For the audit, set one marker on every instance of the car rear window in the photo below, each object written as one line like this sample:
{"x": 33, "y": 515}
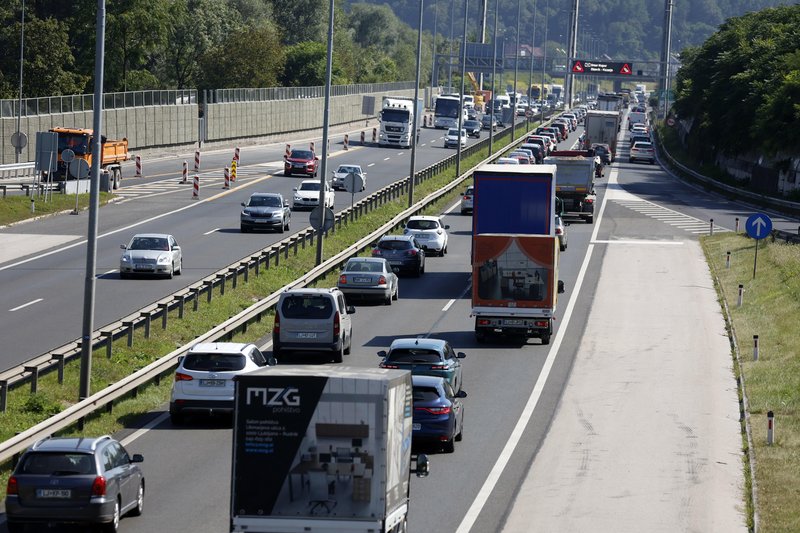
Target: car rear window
{"x": 307, "y": 306}
{"x": 363, "y": 266}
{"x": 643, "y": 145}
{"x": 425, "y": 394}
{"x": 422, "y": 224}
{"x": 60, "y": 463}
{"x": 414, "y": 355}
{"x": 394, "y": 245}
{"x": 214, "y": 362}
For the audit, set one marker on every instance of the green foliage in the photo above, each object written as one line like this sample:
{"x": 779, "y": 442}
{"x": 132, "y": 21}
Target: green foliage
{"x": 248, "y": 57}
{"x": 40, "y": 404}
{"x": 741, "y": 87}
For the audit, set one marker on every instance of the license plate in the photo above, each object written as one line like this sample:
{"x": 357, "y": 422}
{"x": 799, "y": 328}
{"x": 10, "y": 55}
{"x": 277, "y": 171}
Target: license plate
{"x": 53, "y": 493}
{"x": 396, "y": 263}
{"x": 422, "y": 236}
{"x": 416, "y": 427}
{"x": 362, "y": 280}
{"x": 512, "y": 322}
{"x": 307, "y": 335}
{"x": 261, "y": 220}
{"x": 142, "y": 267}
{"x": 299, "y": 165}
{"x": 212, "y": 382}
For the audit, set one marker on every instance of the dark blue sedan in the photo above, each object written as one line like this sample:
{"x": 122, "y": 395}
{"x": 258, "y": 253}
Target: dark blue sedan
{"x": 438, "y": 412}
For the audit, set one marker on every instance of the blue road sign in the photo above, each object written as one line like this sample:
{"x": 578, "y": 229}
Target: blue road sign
{"x": 758, "y": 226}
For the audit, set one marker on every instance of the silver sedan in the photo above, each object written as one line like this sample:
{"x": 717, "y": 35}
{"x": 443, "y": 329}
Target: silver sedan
{"x": 369, "y": 278}
{"x": 151, "y": 253}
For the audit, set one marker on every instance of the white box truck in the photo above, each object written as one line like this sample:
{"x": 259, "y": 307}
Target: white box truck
{"x": 397, "y": 121}
{"x": 321, "y": 450}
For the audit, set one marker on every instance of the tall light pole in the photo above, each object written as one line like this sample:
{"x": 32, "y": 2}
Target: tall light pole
{"x": 544, "y": 54}
{"x": 450, "y": 47}
{"x": 571, "y": 48}
{"x": 516, "y": 70}
{"x": 325, "y": 123}
{"x": 416, "y": 115}
{"x": 433, "y": 61}
{"x": 94, "y": 208}
{"x": 18, "y": 147}
{"x": 461, "y": 99}
{"x": 494, "y": 78}
{"x": 533, "y": 48}
{"x": 667, "y": 46}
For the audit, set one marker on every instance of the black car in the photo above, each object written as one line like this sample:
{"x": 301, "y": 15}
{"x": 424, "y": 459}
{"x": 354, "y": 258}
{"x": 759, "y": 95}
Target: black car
{"x": 473, "y": 128}
{"x": 403, "y": 253}
{"x": 603, "y": 151}
{"x": 74, "y": 480}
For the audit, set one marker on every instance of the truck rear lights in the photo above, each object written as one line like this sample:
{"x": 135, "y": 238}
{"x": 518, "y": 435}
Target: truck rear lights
{"x": 484, "y": 322}
{"x": 541, "y": 323}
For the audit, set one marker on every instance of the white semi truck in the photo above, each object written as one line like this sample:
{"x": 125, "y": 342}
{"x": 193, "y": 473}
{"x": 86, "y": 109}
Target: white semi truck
{"x": 397, "y": 121}
{"x": 322, "y": 450}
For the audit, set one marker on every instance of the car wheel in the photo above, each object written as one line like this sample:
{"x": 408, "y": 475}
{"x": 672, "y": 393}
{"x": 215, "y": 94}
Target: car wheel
{"x": 388, "y": 300}
{"x": 113, "y": 526}
{"x": 171, "y": 272}
{"x": 338, "y": 355}
{"x": 288, "y": 223}
{"x": 418, "y": 272}
{"x": 287, "y": 173}
{"x": 463, "y": 212}
{"x": 396, "y": 295}
{"x": 180, "y": 267}
{"x": 243, "y": 229}
{"x": 176, "y": 418}
{"x": 123, "y": 275}
{"x": 444, "y": 250}
{"x": 449, "y": 446}
{"x": 15, "y": 527}
{"x": 460, "y": 435}
{"x": 137, "y": 511}
{"x": 562, "y": 247}
{"x": 281, "y": 229}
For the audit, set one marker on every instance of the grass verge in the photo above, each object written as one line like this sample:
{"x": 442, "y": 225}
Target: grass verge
{"x": 25, "y": 409}
{"x": 15, "y": 208}
{"x": 770, "y": 309}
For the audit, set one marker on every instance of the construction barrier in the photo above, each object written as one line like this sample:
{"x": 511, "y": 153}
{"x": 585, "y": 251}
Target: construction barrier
{"x": 374, "y": 135}
{"x": 227, "y": 179}
{"x": 363, "y": 136}
{"x": 196, "y": 160}
{"x": 288, "y": 150}
{"x": 138, "y": 166}
{"x": 346, "y": 141}
{"x": 233, "y": 170}
{"x": 311, "y": 146}
{"x": 236, "y": 154}
{"x": 196, "y": 188}
{"x": 185, "y": 173}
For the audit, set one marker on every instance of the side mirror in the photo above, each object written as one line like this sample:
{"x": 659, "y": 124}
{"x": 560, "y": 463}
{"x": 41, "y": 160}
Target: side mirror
{"x": 180, "y": 359}
{"x": 176, "y": 247}
{"x": 447, "y": 226}
{"x": 285, "y": 157}
{"x": 294, "y": 189}
{"x": 382, "y": 353}
{"x": 461, "y": 355}
{"x": 461, "y": 394}
{"x": 286, "y": 203}
{"x": 423, "y": 466}
{"x": 123, "y": 246}
{"x": 244, "y": 205}
{"x": 272, "y": 361}
{"x": 560, "y": 286}
{"x": 137, "y": 458}
{"x": 350, "y": 309}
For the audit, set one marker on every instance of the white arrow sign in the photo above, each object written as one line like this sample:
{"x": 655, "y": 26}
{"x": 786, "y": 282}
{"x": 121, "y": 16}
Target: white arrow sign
{"x": 759, "y": 224}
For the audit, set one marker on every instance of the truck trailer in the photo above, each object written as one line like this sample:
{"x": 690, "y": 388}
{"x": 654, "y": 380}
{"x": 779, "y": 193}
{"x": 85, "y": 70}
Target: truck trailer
{"x": 602, "y": 127}
{"x": 322, "y": 450}
{"x": 397, "y": 121}
{"x": 514, "y": 251}
{"x": 575, "y": 182}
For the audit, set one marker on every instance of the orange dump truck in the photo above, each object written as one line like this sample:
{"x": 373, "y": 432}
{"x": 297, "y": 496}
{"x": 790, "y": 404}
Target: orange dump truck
{"x": 80, "y": 140}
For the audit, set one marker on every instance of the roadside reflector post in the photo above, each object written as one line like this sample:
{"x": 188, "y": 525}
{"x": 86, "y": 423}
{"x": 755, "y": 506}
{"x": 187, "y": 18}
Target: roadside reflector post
{"x": 711, "y": 227}
{"x": 346, "y": 141}
{"x": 196, "y": 160}
{"x": 138, "y": 166}
{"x": 196, "y": 187}
{"x": 227, "y": 184}
{"x": 737, "y": 225}
{"x": 741, "y": 295}
{"x": 185, "y": 174}
{"x": 363, "y": 136}
{"x": 374, "y": 135}
{"x": 755, "y": 347}
{"x": 727, "y": 259}
{"x": 770, "y": 428}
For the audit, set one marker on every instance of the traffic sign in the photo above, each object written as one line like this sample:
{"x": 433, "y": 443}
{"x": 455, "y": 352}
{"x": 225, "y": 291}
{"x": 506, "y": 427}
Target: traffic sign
{"x": 67, "y": 155}
{"x": 79, "y": 168}
{"x": 587, "y": 66}
{"x": 758, "y": 226}
{"x": 315, "y": 218}
{"x": 19, "y": 140}
{"x": 353, "y": 182}
{"x": 577, "y": 66}
{"x": 670, "y": 122}
{"x": 626, "y": 69}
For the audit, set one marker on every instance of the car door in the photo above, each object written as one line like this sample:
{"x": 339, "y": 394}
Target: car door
{"x": 454, "y": 364}
{"x": 344, "y": 317}
{"x": 176, "y": 253}
{"x": 119, "y": 472}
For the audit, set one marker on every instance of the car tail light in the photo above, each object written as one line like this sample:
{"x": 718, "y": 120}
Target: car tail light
{"x": 343, "y": 279}
{"x": 411, "y": 253}
{"x": 589, "y": 200}
{"x": 382, "y": 280}
{"x": 12, "y": 487}
{"x": 483, "y": 322}
{"x": 541, "y": 323}
{"x": 179, "y": 376}
{"x": 99, "y": 486}
{"x": 276, "y": 326}
{"x": 438, "y": 367}
{"x": 336, "y": 324}
{"x": 435, "y": 410}
{"x": 376, "y": 252}
{"x": 387, "y": 365}
{"x": 559, "y": 231}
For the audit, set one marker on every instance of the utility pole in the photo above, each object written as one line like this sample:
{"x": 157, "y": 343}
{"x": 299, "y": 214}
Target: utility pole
{"x": 516, "y": 70}
{"x": 533, "y": 48}
{"x": 325, "y": 123}
{"x": 544, "y": 55}
{"x": 494, "y": 78}
{"x": 18, "y": 147}
{"x": 433, "y": 61}
{"x": 572, "y": 51}
{"x": 665, "y": 57}
{"x": 463, "y": 75}
{"x": 416, "y": 115}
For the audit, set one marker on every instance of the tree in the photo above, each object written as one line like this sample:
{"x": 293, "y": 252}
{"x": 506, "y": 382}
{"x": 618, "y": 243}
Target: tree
{"x": 301, "y": 20}
{"x": 250, "y": 57}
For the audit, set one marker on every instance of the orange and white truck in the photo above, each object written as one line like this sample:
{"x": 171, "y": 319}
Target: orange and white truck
{"x": 79, "y": 140}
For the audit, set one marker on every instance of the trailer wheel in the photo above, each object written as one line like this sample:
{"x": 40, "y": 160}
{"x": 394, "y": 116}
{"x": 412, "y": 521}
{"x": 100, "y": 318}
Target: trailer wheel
{"x": 589, "y": 219}
{"x": 545, "y": 339}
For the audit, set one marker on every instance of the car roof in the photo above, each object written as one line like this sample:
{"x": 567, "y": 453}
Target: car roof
{"x": 219, "y": 347}
{"x": 309, "y": 181}
{"x": 424, "y": 217}
{"x": 265, "y": 194}
{"x": 328, "y": 290}
{"x": 397, "y": 238}
{"x": 69, "y": 444}
{"x": 152, "y": 235}
{"x": 349, "y": 165}
{"x": 367, "y": 259}
{"x": 637, "y": 143}
{"x": 426, "y": 381}
{"x": 418, "y": 342}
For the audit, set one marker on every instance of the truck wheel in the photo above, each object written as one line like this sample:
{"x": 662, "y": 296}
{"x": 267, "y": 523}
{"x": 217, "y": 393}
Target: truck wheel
{"x": 545, "y": 339}
{"x": 117, "y": 174}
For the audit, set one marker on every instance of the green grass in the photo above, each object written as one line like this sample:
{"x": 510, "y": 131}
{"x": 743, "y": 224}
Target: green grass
{"x": 17, "y": 207}
{"x": 771, "y": 310}
{"x": 25, "y": 410}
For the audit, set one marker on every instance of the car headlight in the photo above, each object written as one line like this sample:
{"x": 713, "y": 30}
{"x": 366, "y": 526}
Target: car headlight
{"x": 126, "y": 259}
{"x": 297, "y": 199}
{"x": 163, "y": 259}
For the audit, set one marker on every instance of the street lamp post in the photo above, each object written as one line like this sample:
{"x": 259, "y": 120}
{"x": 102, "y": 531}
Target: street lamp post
{"x": 18, "y": 148}
{"x": 544, "y": 54}
{"x": 494, "y": 78}
{"x": 416, "y": 115}
{"x": 530, "y": 81}
{"x": 516, "y": 70}
{"x": 461, "y": 98}
{"x": 325, "y": 123}
{"x": 433, "y": 60}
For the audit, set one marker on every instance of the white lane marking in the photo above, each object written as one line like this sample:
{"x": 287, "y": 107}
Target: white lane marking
{"x": 449, "y": 304}
{"x": 147, "y": 427}
{"x": 26, "y": 305}
{"x": 109, "y": 272}
{"x": 371, "y": 165}
{"x": 385, "y": 158}
{"x": 126, "y": 228}
{"x": 508, "y": 450}
{"x": 212, "y": 231}
{"x": 638, "y": 242}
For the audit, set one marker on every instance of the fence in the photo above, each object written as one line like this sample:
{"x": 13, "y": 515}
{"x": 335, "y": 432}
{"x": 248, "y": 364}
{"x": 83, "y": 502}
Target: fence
{"x": 226, "y": 96}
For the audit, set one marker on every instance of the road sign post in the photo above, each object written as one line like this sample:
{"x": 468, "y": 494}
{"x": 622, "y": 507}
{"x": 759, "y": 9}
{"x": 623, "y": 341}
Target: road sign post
{"x": 758, "y": 226}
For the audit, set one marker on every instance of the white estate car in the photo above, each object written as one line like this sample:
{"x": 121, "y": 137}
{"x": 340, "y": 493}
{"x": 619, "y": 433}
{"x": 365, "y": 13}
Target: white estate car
{"x": 307, "y": 195}
{"x": 429, "y": 232}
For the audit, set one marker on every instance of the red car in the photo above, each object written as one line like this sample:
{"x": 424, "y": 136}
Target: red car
{"x": 300, "y": 162}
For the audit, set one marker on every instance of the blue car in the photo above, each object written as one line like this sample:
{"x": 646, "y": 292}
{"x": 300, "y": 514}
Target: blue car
{"x": 438, "y": 412}
{"x": 431, "y": 357}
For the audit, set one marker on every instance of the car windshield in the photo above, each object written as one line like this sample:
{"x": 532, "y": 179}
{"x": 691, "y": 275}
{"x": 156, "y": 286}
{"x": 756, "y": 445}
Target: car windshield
{"x": 422, "y": 224}
{"x": 149, "y": 243}
{"x": 453, "y": 132}
{"x": 309, "y": 186}
{"x": 346, "y": 169}
{"x": 302, "y": 154}
{"x": 425, "y": 394}
{"x": 59, "y": 463}
{"x": 306, "y": 306}
{"x": 394, "y": 245}
{"x": 264, "y": 201}
{"x": 414, "y": 355}
{"x": 363, "y": 266}
{"x": 214, "y": 362}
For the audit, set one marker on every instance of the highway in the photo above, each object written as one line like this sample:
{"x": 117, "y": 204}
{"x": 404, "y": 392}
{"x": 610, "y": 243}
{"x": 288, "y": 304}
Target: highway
{"x": 473, "y": 489}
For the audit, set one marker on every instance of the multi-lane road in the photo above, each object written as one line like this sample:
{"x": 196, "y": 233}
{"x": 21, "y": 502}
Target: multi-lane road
{"x": 518, "y": 395}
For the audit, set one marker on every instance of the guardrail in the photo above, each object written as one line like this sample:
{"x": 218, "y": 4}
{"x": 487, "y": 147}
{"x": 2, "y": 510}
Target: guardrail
{"x": 17, "y": 171}
{"x": 143, "y": 319}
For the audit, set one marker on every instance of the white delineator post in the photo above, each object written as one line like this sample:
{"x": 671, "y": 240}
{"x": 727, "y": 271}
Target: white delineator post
{"x": 196, "y": 188}
{"x": 185, "y": 174}
{"x": 741, "y": 295}
{"x": 138, "y": 166}
{"x": 374, "y": 135}
{"x": 727, "y": 259}
{"x": 227, "y": 179}
{"x": 770, "y": 428}
{"x": 346, "y": 141}
{"x": 755, "y": 347}
{"x": 196, "y": 160}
